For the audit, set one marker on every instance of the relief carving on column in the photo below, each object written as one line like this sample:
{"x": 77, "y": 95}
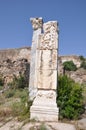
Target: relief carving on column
{"x": 36, "y": 23}
{"x": 48, "y": 40}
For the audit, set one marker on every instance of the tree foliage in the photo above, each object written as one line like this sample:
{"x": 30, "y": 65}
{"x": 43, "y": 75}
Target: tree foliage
{"x": 69, "y": 66}
{"x": 83, "y": 65}
{"x": 83, "y": 62}
{"x": 82, "y": 58}
{"x": 70, "y": 99}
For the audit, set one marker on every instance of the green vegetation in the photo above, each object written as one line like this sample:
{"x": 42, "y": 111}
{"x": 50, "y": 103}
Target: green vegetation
{"x": 19, "y": 82}
{"x": 16, "y": 100}
{"x": 84, "y": 93}
{"x": 83, "y": 64}
{"x": 70, "y": 99}
{"x": 17, "y": 104}
{"x": 1, "y": 82}
{"x": 69, "y": 66}
{"x": 21, "y": 108}
{"x": 82, "y": 58}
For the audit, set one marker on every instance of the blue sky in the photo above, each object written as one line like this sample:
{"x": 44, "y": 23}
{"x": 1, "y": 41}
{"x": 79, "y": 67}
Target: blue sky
{"x": 16, "y": 29}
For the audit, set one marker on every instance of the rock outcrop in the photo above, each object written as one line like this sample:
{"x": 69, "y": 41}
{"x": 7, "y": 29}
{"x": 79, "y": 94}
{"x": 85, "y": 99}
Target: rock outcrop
{"x": 14, "y": 62}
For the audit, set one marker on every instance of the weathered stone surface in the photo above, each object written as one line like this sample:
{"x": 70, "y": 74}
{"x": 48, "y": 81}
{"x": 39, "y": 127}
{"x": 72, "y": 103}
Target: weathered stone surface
{"x": 47, "y": 59}
{"x": 48, "y": 40}
{"x": 44, "y": 107}
{"x": 45, "y": 75}
{"x": 15, "y": 54}
{"x": 74, "y": 58}
{"x": 47, "y": 79}
{"x": 9, "y": 68}
{"x": 6, "y": 69}
{"x": 36, "y": 23}
{"x": 82, "y": 124}
{"x": 37, "y": 28}
{"x": 15, "y": 125}
{"x": 14, "y": 62}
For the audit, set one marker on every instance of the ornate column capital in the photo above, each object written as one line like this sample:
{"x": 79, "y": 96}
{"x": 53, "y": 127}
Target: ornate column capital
{"x": 36, "y": 23}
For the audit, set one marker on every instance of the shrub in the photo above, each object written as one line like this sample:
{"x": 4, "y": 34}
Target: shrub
{"x": 82, "y": 58}
{"x": 21, "y": 109}
{"x": 69, "y": 65}
{"x": 9, "y": 93}
{"x": 83, "y": 62}
{"x": 70, "y": 99}
{"x": 83, "y": 65}
{"x": 1, "y": 87}
{"x": 84, "y": 93}
{"x": 19, "y": 82}
{"x": 1, "y": 81}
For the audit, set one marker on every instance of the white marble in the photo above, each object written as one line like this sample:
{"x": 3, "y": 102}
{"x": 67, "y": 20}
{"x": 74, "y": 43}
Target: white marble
{"x": 44, "y": 107}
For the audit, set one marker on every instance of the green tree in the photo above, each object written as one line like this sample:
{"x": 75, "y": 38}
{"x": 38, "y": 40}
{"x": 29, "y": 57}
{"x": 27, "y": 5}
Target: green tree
{"x": 70, "y": 99}
{"x": 83, "y": 62}
{"x": 69, "y": 66}
{"x": 83, "y": 65}
{"x": 82, "y": 58}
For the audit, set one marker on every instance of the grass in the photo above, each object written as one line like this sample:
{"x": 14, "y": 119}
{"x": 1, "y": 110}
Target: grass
{"x": 14, "y": 103}
{"x": 1, "y": 87}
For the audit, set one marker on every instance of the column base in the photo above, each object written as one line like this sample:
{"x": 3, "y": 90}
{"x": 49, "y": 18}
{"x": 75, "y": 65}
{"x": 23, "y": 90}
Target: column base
{"x": 44, "y": 107}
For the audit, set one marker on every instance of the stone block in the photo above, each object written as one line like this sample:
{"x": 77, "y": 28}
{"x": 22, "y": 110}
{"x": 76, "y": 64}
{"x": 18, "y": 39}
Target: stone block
{"x": 47, "y": 79}
{"x": 44, "y": 107}
{"x": 47, "y": 59}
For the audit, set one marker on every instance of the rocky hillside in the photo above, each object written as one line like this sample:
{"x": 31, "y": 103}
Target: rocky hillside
{"x": 79, "y": 75}
{"x": 16, "y": 61}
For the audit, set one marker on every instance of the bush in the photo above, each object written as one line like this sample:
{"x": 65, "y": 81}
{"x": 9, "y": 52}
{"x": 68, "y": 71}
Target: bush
{"x": 9, "y": 93}
{"x": 1, "y": 81}
{"x": 70, "y": 99}
{"x": 83, "y": 62}
{"x": 82, "y": 58}
{"x": 21, "y": 109}
{"x": 19, "y": 82}
{"x": 83, "y": 65}
{"x": 69, "y": 65}
{"x": 84, "y": 93}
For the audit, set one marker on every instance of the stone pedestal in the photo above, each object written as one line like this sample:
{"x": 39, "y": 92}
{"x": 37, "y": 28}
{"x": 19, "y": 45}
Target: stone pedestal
{"x": 44, "y": 107}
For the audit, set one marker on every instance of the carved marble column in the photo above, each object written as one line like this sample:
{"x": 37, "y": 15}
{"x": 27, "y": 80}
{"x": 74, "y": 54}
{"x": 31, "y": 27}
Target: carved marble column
{"x": 44, "y": 107}
{"x": 37, "y": 24}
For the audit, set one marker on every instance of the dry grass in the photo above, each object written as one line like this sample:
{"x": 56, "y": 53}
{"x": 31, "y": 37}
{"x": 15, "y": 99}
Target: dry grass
{"x": 13, "y": 104}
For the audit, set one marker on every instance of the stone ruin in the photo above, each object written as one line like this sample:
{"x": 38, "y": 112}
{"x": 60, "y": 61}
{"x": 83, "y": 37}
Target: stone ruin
{"x": 43, "y": 70}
